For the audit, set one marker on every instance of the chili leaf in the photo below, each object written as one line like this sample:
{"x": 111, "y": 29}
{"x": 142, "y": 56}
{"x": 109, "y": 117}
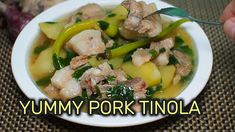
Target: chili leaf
{"x": 172, "y": 60}
{"x": 151, "y": 90}
{"x": 60, "y": 62}
{"x": 42, "y": 47}
{"x": 181, "y": 46}
{"x": 120, "y": 91}
{"x": 103, "y": 25}
{"x": 153, "y": 53}
{"x": 162, "y": 50}
{"x": 78, "y": 73}
{"x": 44, "y": 81}
{"x": 112, "y": 15}
{"x": 128, "y": 56}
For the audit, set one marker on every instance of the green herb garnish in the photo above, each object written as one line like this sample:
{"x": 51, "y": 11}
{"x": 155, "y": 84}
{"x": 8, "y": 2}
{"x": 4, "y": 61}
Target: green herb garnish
{"x": 182, "y": 47}
{"x": 78, "y": 73}
{"x": 111, "y": 79}
{"x": 44, "y": 81}
{"x": 60, "y": 62}
{"x": 51, "y": 22}
{"x": 162, "y": 50}
{"x": 128, "y": 56}
{"x": 172, "y": 60}
{"x": 78, "y": 19}
{"x": 103, "y": 25}
{"x": 152, "y": 90}
{"x": 153, "y": 53}
{"x": 120, "y": 91}
{"x": 112, "y": 15}
{"x": 42, "y": 47}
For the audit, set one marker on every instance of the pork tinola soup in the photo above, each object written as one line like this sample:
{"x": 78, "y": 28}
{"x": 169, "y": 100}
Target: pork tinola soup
{"x": 116, "y": 54}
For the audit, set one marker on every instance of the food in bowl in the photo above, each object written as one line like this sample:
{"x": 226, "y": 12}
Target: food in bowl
{"x": 99, "y": 53}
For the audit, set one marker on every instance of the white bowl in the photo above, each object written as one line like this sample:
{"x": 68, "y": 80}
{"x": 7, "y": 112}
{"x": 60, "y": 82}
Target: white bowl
{"x": 25, "y": 40}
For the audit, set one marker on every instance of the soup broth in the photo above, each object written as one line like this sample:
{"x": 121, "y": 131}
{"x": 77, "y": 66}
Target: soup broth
{"x": 77, "y": 70}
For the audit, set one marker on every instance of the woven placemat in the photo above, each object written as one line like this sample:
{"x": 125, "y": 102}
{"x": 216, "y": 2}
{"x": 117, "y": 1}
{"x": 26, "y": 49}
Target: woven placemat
{"x": 217, "y": 101}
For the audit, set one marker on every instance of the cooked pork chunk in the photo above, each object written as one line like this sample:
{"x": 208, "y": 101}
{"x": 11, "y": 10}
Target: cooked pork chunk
{"x": 167, "y": 44}
{"x": 136, "y": 22}
{"x": 163, "y": 48}
{"x": 94, "y": 76}
{"x": 61, "y": 77}
{"x": 52, "y": 92}
{"x": 71, "y": 89}
{"x": 67, "y": 86}
{"x": 185, "y": 63}
{"x": 35, "y": 7}
{"x": 162, "y": 59}
{"x": 92, "y": 11}
{"x": 120, "y": 75}
{"x": 88, "y": 42}
{"x": 140, "y": 57}
{"x": 139, "y": 87}
{"x": 78, "y": 61}
{"x": 184, "y": 67}
{"x": 89, "y": 11}
{"x": 135, "y": 14}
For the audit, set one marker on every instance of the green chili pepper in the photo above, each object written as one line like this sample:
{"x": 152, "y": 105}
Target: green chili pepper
{"x": 132, "y": 46}
{"x": 67, "y": 34}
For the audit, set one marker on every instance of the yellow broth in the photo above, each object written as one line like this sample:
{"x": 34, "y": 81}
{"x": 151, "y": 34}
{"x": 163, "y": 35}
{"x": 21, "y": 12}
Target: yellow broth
{"x": 169, "y": 92}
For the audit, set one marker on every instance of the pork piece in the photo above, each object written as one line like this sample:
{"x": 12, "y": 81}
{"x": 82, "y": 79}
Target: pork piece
{"x": 164, "y": 49}
{"x": 71, "y": 89}
{"x": 52, "y": 92}
{"x": 167, "y": 44}
{"x": 140, "y": 57}
{"x": 135, "y": 21}
{"x": 104, "y": 88}
{"x": 88, "y": 42}
{"x": 61, "y": 77}
{"x": 94, "y": 76}
{"x": 151, "y": 25}
{"x": 184, "y": 67}
{"x": 139, "y": 87}
{"x": 35, "y": 7}
{"x": 106, "y": 69}
{"x": 78, "y": 61}
{"x": 120, "y": 75}
{"x": 92, "y": 11}
{"x": 135, "y": 15}
{"x": 162, "y": 59}
{"x": 86, "y": 12}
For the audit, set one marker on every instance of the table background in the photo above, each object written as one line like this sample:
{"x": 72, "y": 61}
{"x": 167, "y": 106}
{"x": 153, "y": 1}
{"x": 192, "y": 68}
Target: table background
{"x": 217, "y": 101}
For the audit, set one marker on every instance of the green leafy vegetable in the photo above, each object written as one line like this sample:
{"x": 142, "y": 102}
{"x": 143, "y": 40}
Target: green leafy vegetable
{"x": 78, "y": 73}
{"x": 152, "y": 90}
{"x": 112, "y": 15}
{"x": 120, "y": 91}
{"x": 44, "y": 81}
{"x": 172, "y": 60}
{"x": 51, "y": 22}
{"x": 179, "y": 12}
{"x": 60, "y": 62}
{"x": 162, "y": 50}
{"x": 111, "y": 79}
{"x": 42, "y": 47}
{"x": 128, "y": 57}
{"x": 78, "y": 19}
{"x": 103, "y": 25}
{"x": 153, "y": 53}
{"x": 181, "y": 46}
{"x": 84, "y": 94}
{"x": 174, "y": 11}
